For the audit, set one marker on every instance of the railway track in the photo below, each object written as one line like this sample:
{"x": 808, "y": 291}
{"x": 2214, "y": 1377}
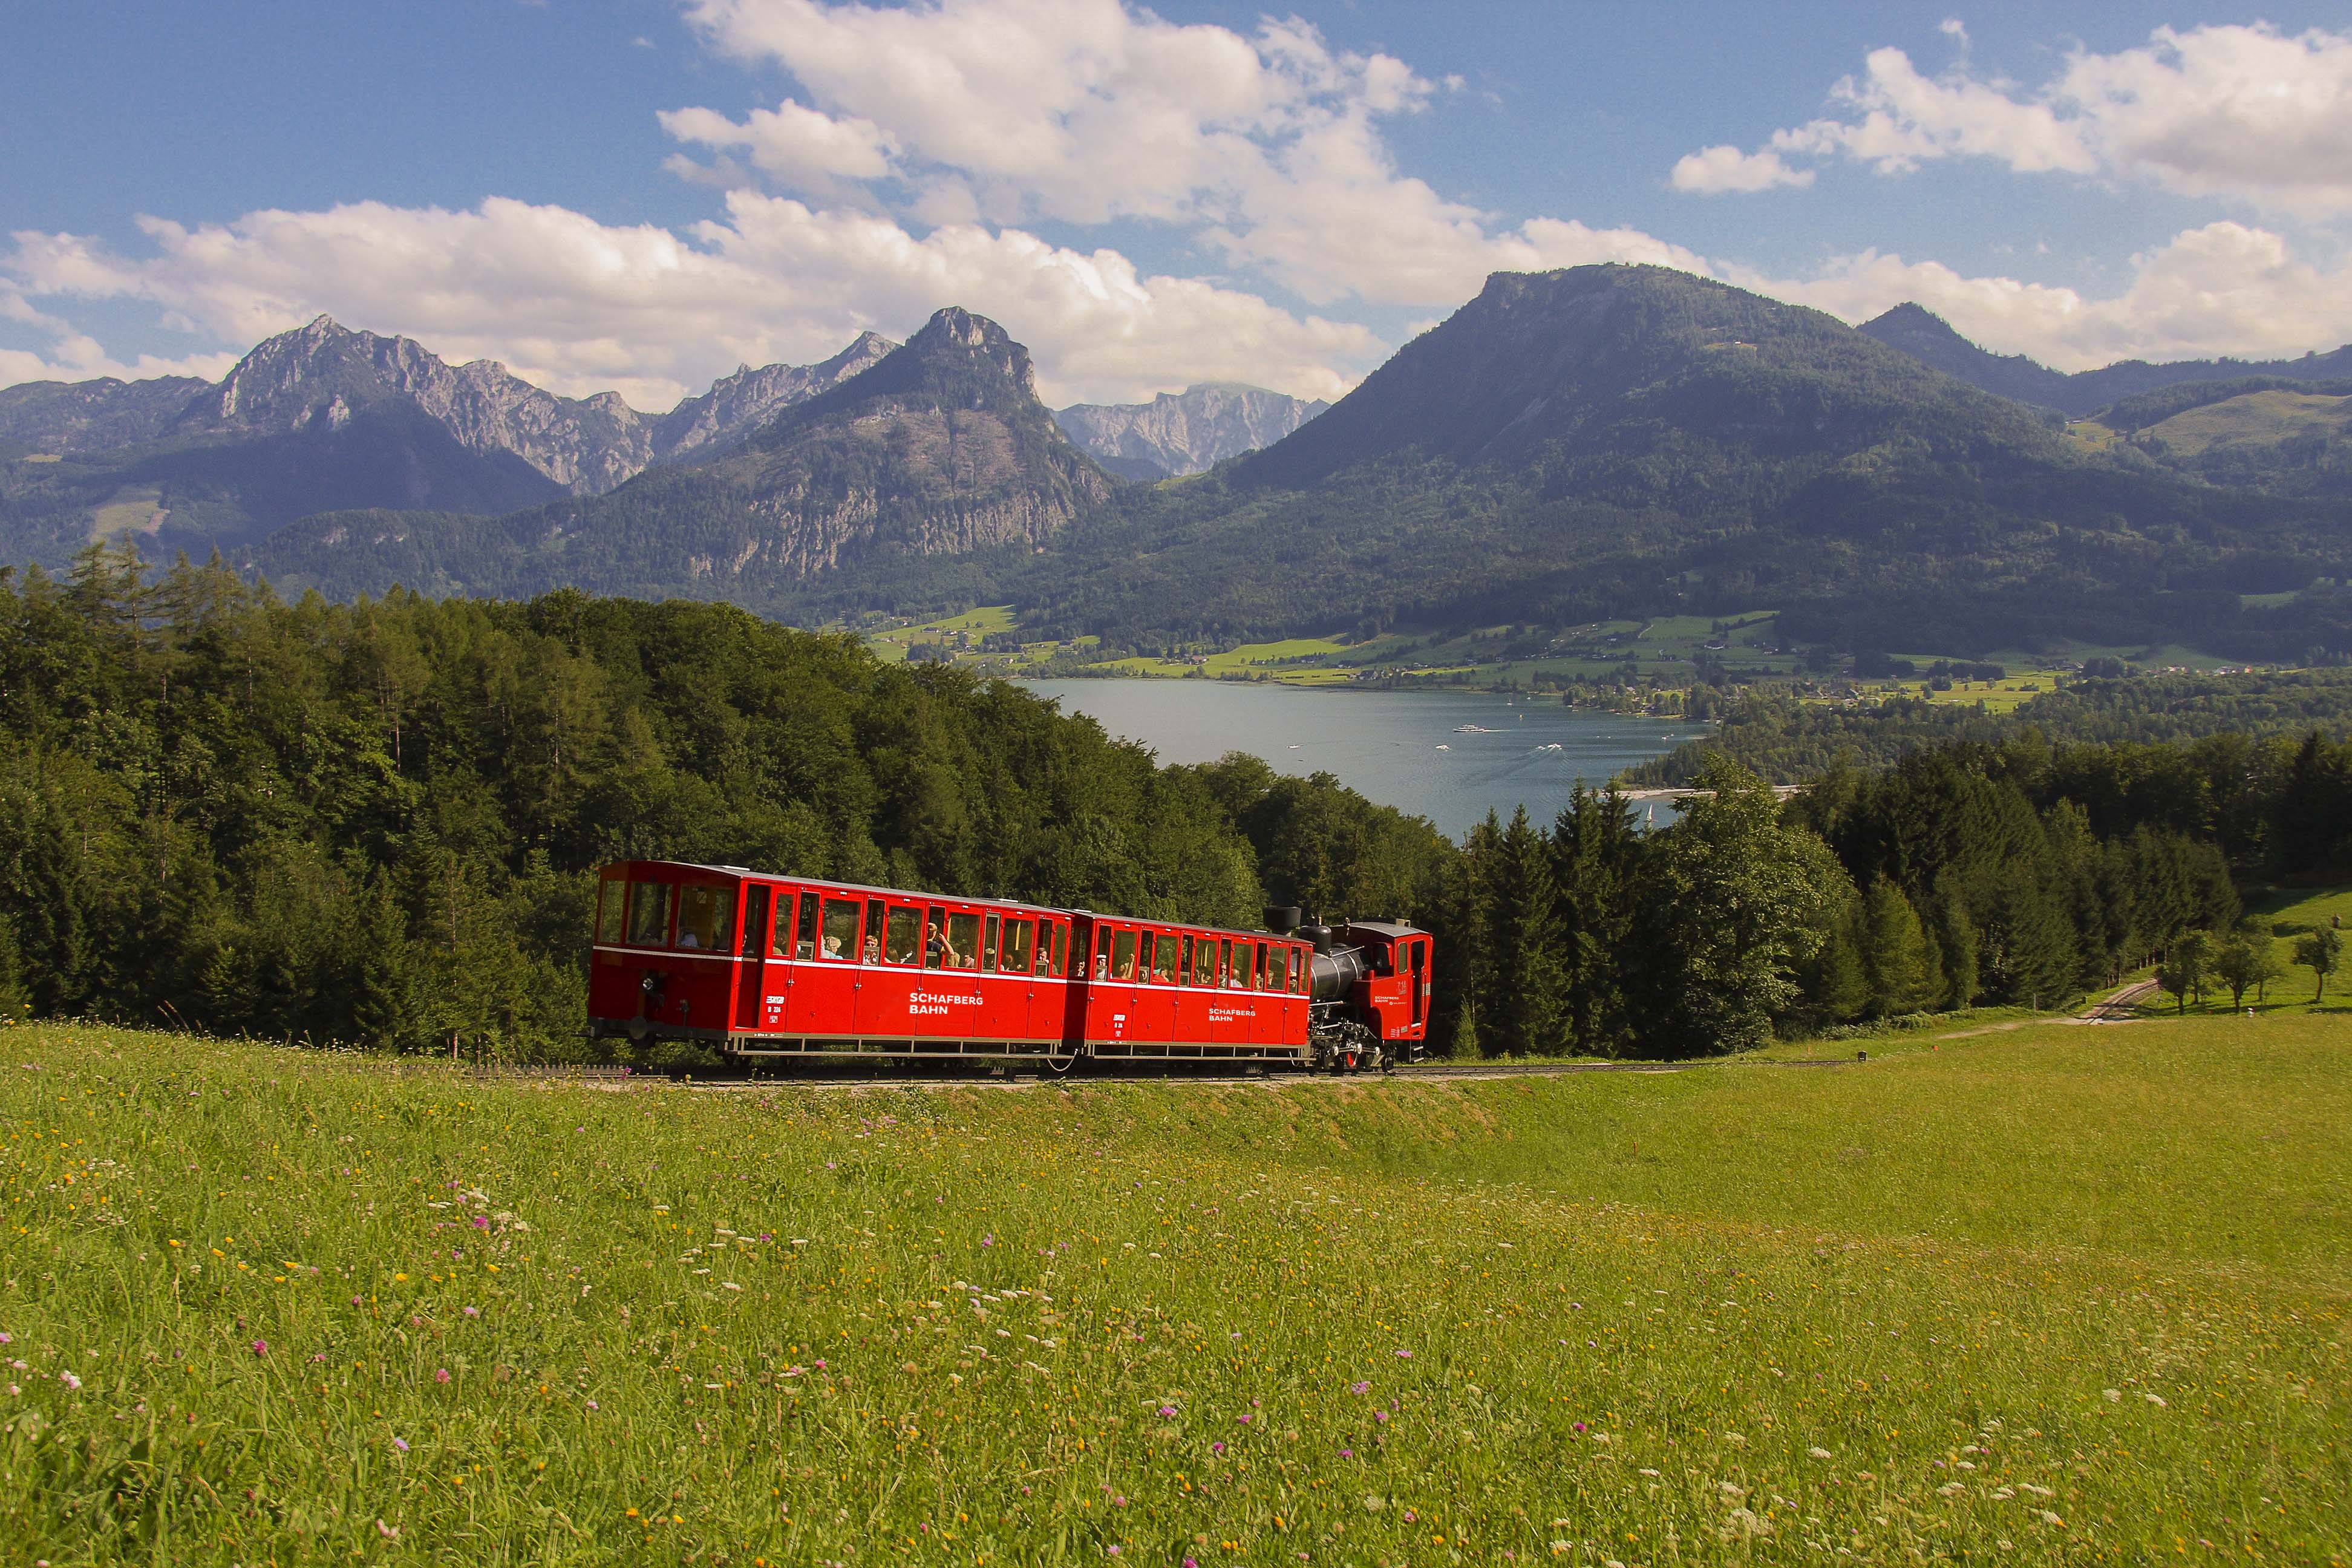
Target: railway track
{"x": 948, "y": 1075}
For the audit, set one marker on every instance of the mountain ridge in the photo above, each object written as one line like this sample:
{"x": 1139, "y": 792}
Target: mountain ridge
{"x": 1928, "y": 338}
{"x": 1188, "y": 432}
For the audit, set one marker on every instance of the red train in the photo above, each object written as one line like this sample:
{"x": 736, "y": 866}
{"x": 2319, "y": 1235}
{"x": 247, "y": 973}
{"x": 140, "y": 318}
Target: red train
{"x": 766, "y": 967}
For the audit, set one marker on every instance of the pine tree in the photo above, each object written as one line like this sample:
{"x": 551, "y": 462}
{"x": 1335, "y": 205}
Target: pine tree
{"x": 1596, "y": 852}
{"x": 1896, "y": 961}
{"x": 1954, "y": 936}
{"x": 1525, "y": 1014}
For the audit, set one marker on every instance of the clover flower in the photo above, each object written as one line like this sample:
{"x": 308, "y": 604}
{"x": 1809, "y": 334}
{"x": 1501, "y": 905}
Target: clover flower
{"x": 260, "y": 1347}
{"x": 440, "y": 1374}
{"x": 1360, "y": 1388}
{"x": 69, "y": 1380}
{"x": 401, "y": 1444}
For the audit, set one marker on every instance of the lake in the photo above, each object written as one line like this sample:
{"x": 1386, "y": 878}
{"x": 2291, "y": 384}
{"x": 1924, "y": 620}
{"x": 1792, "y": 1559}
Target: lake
{"x": 1405, "y": 749}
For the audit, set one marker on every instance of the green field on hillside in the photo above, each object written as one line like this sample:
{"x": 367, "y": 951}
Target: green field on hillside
{"x": 2047, "y": 1294}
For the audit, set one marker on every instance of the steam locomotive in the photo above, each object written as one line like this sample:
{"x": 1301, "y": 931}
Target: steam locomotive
{"x": 775, "y": 967}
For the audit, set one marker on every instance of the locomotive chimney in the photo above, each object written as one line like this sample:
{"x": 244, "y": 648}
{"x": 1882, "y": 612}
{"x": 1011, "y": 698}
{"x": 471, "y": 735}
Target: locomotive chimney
{"x": 1283, "y": 919}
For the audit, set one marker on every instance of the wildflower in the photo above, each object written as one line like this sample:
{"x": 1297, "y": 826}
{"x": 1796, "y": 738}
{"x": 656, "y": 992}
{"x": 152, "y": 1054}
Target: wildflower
{"x": 2049, "y": 1517}
{"x": 2155, "y": 1399}
{"x": 1819, "y": 1453}
{"x": 69, "y": 1380}
{"x": 1244, "y": 1418}
{"x": 1168, "y": 1413}
{"x": 440, "y": 1374}
{"x": 260, "y": 1347}
{"x": 1410, "y": 1516}
{"x": 355, "y": 1300}
{"x": 317, "y": 1357}
{"x": 1404, "y": 1355}
{"x": 473, "y": 1312}
{"x": 4, "y": 1339}
{"x": 1213, "y": 1447}
{"x": 1360, "y": 1388}
{"x": 1382, "y": 1417}
{"x": 481, "y": 1222}
{"x": 1580, "y": 1428}
{"x": 1346, "y": 1453}
{"x": 389, "y": 1531}
{"x": 401, "y": 1444}
{"x": 2114, "y": 1395}
{"x": 591, "y": 1405}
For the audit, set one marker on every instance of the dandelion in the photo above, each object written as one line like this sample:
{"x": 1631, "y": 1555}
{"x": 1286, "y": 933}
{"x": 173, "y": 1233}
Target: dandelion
{"x": 440, "y": 1374}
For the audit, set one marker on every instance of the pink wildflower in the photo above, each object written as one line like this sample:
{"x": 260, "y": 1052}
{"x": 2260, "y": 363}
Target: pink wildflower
{"x": 1360, "y": 1388}
{"x": 261, "y": 1347}
{"x": 440, "y": 1374}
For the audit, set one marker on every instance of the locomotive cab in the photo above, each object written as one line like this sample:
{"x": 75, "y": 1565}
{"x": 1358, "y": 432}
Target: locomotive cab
{"x": 1372, "y": 990}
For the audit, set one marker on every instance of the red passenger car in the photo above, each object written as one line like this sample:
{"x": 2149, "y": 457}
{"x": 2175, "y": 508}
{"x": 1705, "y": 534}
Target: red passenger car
{"x": 783, "y": 966}
{"x": 779, "y": 966}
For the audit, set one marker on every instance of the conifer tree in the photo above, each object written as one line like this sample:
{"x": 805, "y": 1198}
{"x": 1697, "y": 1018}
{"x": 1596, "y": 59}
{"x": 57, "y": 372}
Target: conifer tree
{"x": 1898, "y": 964}
{"x": 1524, "y": 1012}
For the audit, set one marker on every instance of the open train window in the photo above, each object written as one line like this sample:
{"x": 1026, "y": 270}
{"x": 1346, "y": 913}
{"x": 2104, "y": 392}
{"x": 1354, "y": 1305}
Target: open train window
{"x": 987, "y": 946}
{"x": 1020, "y": 947}
{"x": 904, "y": 942}
{"x": 840, "y": 941}
{"x": 649, "y": 914}
{"x": 1267, "y": 980}
{"x": 780, "y": 944}
{"x": 706, "y": 917}
{"x": 805, "y": 945}
{"x": 1058, "y": 958}
{"x": 612, "y": 901}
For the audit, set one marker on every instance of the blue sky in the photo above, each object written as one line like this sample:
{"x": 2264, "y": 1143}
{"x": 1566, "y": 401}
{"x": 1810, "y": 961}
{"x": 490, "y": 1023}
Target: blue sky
{"x": 626, "y": 194}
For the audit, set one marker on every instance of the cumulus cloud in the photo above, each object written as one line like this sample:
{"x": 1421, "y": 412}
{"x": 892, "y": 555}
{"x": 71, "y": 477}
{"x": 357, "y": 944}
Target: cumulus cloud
{"x": 2245, "y": 113}
{"x": 578, "y": 306}
{"x": 2225, "y": 288}
{"x": 74, "y": 356}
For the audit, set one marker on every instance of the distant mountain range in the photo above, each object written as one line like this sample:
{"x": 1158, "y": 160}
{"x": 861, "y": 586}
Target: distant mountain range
{"x": 1929, "y": 339}
{"x": 939, "y": 449}
{"x": 1573, "y": 446}
{"x": 1186, "y": 432}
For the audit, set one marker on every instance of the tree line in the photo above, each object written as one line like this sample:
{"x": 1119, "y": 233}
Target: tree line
{"x": 376, "y": 824}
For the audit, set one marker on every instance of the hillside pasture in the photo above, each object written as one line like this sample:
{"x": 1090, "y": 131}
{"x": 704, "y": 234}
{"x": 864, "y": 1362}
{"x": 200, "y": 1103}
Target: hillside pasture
{"x": 2042, "y": 1294}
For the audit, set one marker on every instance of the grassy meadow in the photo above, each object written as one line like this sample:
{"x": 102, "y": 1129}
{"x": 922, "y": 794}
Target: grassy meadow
{"x": 2036, "y": 1294}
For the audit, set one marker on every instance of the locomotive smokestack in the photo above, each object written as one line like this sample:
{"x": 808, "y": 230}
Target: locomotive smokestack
{"x": 1283, "y": 919}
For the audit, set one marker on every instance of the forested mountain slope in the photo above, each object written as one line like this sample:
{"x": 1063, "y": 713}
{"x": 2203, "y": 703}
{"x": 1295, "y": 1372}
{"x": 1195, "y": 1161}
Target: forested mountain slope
{"x": 939, "y": 449}
{"x": 1615, "y": 440}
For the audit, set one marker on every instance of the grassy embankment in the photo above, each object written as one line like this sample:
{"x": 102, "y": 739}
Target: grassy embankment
{"x": 2052, "y": 1294}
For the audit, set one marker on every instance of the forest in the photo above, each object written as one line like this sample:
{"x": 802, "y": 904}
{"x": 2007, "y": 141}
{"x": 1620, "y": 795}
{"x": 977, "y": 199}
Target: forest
{"x": 375, "y": 824}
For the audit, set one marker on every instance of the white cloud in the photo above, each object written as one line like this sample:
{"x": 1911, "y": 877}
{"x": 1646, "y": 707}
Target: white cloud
{"x": 578, "y": 306}
{"x": 74, "y": 356}
{"x": 2245, "y": 113}
{"x": 2222, "y": 290}
{"x": 1711, "y": 170}
{"x": 799, "y": 145}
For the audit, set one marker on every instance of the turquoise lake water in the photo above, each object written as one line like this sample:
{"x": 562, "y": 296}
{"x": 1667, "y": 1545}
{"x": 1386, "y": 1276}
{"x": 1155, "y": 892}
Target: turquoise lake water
{"x": 1448, "y": 756}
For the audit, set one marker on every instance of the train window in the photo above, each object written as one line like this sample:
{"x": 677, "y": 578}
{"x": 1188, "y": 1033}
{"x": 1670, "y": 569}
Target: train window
{"x": 1102, "y": 953}
{"x": 706, "y": 917}
{"x": 1237, "y": 965}
{"x": 1298, "y": 970}
{"x": 1058, "y": 957}
{"x": 1204, "y": 962}
{"x": 873, "y": 950}
{"x": 755, "y": 920}
{"x": 1265, "y": 976}
{"x": 987, "y": 946}
{"x": 1122, "y": 955}
{"x": 1185, "y": 963}
{"x": 840, "y": 939}
{"x": 1020, "y": 947}
{"x": 903, "y": 943}
{"x": 804, "y": 944}
{"x": 1164, "y": 958}
{"x": 780, "y": 944}
{"x": 649, "y": 914}
{"x": 964, "y": 941}
{"x": 612, "y": 897}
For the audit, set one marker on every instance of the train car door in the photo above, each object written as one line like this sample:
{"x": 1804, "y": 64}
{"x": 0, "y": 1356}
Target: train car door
{"x": 1056, "y": 1004}
{"x": 1111, "y": 989}
{"x": 1013, "y": 987}
{"x": 825, "y": 974}
{"x": 1153, "y": 1022}
{"x": 1419, "y": 979}
{"x": 1229, "y": 1008}
{"x": 893, "y": 952}
{"x": 1196, "y": 961}
{"x": 750, "y": 982}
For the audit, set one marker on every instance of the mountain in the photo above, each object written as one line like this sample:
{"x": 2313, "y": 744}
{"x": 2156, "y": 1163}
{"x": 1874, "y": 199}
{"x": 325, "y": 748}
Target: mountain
{"x": 324, "y": 419}
{"x": 1928, "y": 338}
{"x": 57, "y": 416}
{"x": 1183, "y": 432}
{"x": 324, "y": 375}
{"x": 739, "y": 403}
{"x": 2275, "y": 434}
{"x": 939, "y": 449}
{"x": 1617, "y": 440}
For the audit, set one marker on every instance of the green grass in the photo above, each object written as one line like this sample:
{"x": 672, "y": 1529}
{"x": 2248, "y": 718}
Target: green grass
{"x": 2049, "y": 1294}
{"x": 2292, "y": 912}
